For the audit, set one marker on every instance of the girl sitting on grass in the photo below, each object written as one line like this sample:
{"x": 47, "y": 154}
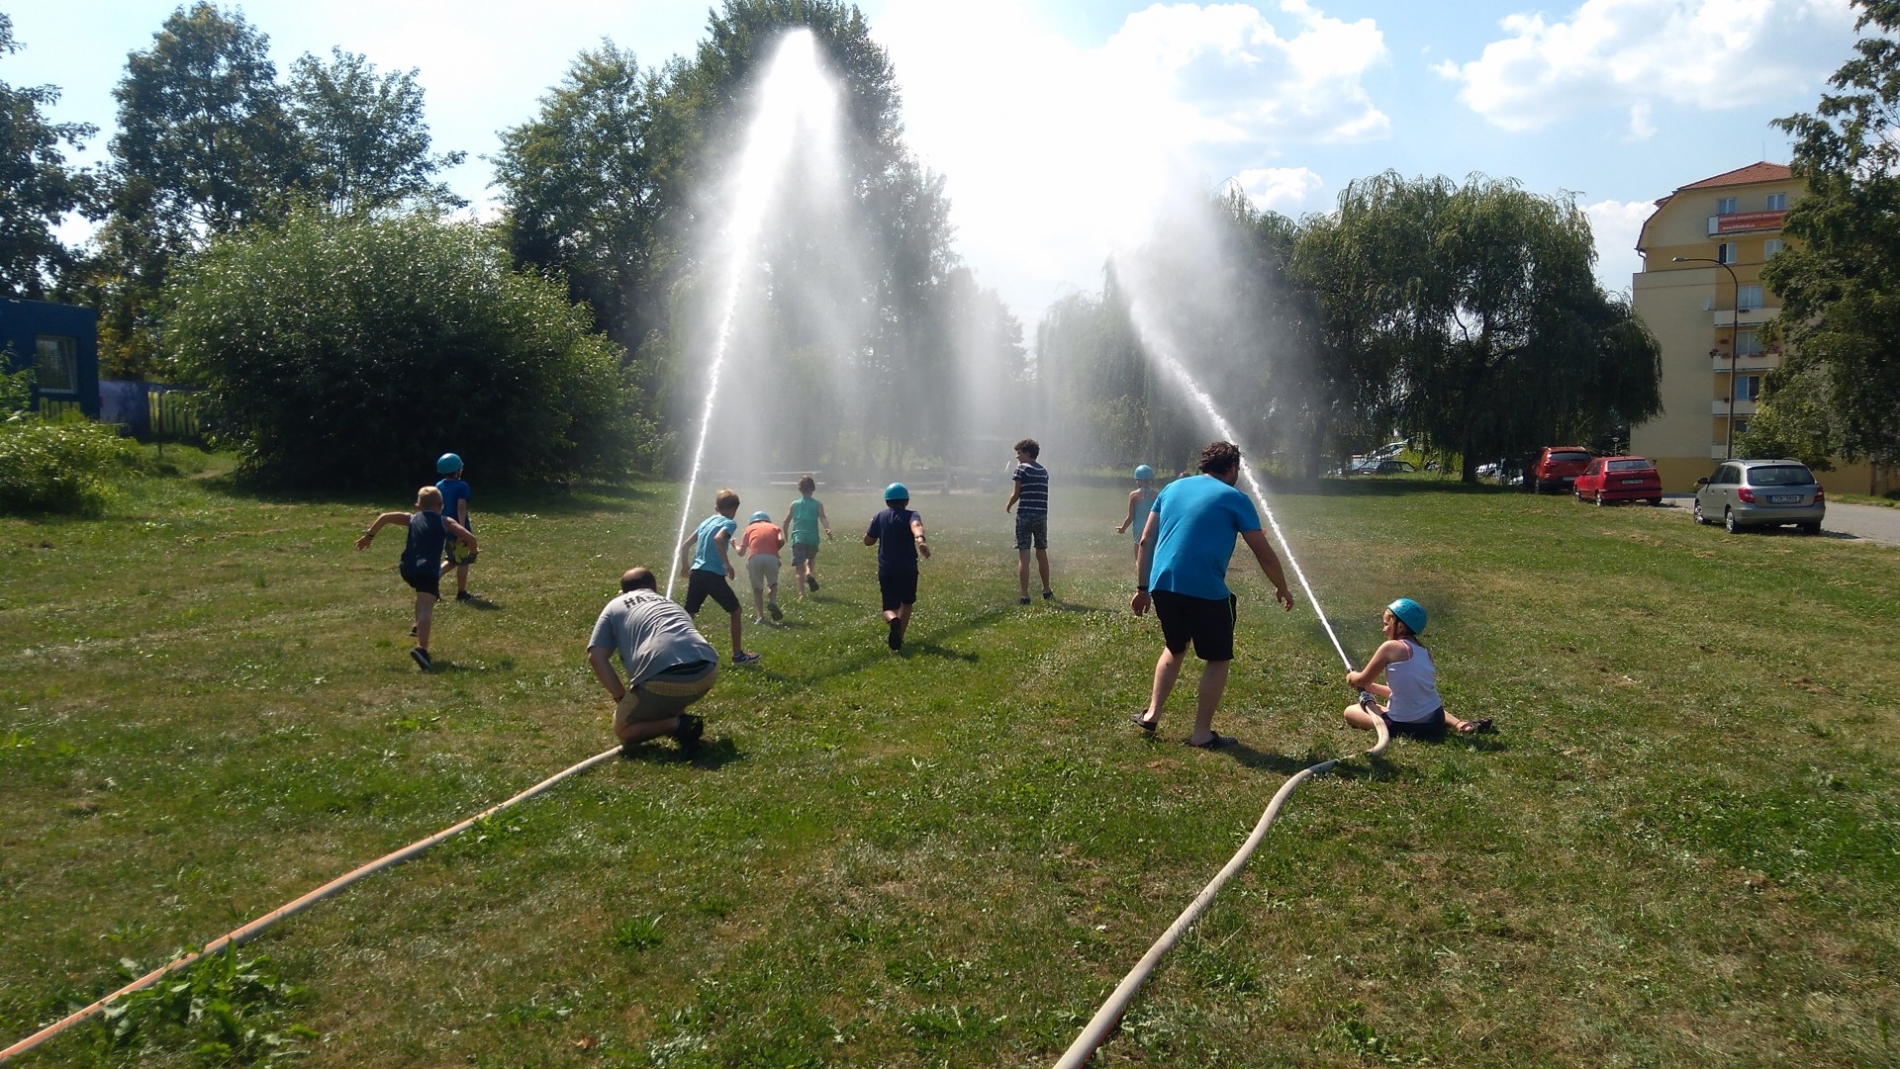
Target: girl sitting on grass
{"x": 1411, "y": 688}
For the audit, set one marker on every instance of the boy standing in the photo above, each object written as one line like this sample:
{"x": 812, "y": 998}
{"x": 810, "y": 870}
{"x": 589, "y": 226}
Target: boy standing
{"x": 1030, "y": 498}
{"x": 898, "y": 534}
{"x": 712, "y": 569}
{"x": 421, "y": 562}
{"x": 802, "y": 521}
{"x": 455, "y": 498}
{"x": 759, "y": 545}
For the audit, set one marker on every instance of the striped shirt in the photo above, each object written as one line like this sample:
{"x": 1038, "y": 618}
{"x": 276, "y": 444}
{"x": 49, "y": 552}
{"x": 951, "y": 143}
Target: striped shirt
{"x": 1032, "y": 494}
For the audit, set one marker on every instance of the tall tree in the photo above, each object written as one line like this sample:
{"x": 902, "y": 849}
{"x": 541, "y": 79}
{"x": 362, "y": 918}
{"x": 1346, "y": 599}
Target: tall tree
{"x": 1840, "y": 281}
{"x": 37, "y": 189}
{"x": 365, "y": 141}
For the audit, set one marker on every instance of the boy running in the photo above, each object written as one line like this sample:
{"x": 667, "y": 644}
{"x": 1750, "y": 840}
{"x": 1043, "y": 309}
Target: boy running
{"x": 421, "y": 564}
{"x": 759, "y": 545}
{"x": 802, "y": 522}
{"x": 712, "y": 570}
{"x": 1030, "y": 498}
{"x": 898, "y": 534}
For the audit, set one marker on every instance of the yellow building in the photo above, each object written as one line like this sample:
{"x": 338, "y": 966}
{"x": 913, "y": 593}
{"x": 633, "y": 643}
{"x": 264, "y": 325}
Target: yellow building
{"x": 1701, "y": 294}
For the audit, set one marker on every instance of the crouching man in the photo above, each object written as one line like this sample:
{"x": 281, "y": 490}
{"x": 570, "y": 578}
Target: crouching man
{"x": 669, "y": 664}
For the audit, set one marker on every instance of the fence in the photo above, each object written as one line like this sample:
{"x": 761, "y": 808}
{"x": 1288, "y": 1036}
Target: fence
{"x": 151, "y": 409}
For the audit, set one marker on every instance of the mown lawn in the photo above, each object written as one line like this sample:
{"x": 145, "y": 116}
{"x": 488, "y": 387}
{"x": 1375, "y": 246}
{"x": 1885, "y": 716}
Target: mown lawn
{"x": 1682, "y": 846}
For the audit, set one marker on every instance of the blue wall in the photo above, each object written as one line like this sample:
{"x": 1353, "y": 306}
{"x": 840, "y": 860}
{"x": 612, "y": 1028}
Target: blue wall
{"x": 21, "y": 324}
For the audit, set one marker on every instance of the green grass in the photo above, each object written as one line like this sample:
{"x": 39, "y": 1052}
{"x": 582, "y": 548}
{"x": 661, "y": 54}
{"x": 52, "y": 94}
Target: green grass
{"x": 1683, "y": 845}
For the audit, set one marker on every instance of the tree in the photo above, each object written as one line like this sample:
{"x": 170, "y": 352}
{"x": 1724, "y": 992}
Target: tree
{"x": 1839, "y": 282}
{"x": 333, "y": 347}
{"x": 364, "y": 138}
{"x": 37, "y": 189}
{"x": 583, "y": 192}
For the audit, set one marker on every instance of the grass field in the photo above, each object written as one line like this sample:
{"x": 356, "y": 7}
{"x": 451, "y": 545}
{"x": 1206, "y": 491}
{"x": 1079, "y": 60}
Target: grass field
{"x": 1682, "y": 847}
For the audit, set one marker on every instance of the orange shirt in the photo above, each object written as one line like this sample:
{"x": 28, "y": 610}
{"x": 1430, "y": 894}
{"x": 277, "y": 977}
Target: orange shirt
{"x": 763, "y": 536}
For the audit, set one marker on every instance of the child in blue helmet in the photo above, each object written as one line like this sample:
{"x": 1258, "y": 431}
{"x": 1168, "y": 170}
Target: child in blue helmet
{"x": 760, "y": 545}
{"x": 455, "y": 498}
{"x": 1411, "y": 682}
{"x": 898, "y": 534}
{"x": 1141, "y": 501}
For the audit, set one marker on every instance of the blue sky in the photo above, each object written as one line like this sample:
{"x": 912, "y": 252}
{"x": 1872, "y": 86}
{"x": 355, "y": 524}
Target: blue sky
{"x": 1060, "y": 125}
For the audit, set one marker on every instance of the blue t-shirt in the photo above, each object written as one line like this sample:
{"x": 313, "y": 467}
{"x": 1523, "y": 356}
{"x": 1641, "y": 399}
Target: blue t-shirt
{"x": 896, "y": 545}
{"x": 706, "y": 550}
{"x": 1198, "y": 519}
{"x": 454, "y": 490}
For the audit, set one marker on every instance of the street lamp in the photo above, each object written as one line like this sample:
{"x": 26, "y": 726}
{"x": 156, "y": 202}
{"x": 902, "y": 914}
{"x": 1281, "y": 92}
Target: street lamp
{"x": 1734, "y": 342}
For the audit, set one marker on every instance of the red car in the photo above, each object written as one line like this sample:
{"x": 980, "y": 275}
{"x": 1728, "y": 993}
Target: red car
{"x": 1608, "y": 479}
{"x": 1557, "y": 468}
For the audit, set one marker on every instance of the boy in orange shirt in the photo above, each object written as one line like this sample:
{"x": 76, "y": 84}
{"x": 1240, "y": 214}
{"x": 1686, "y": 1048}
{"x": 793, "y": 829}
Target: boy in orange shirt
{"x": 760, "y": 545}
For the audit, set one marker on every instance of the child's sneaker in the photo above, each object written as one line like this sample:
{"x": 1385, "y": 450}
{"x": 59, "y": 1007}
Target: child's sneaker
{"x": 777, "y": 613}
{"x": 1024, "y": 600}
{"x": 895, "y": 639}
{"x": 743, "y": 657}
{"x": 812, "y": 582}
{"x": 463, "y": 595}
{"x": 757, "y": 620}
{"x": 1047, "y": 595}
{"x": 422, "y": 659}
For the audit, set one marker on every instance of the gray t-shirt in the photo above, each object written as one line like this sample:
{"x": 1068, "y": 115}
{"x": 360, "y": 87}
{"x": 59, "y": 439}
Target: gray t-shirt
{"x": 652, "y": 633}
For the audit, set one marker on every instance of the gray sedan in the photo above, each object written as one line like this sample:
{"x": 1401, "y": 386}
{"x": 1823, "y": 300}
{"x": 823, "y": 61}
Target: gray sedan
{"x": 1761, "y": 493}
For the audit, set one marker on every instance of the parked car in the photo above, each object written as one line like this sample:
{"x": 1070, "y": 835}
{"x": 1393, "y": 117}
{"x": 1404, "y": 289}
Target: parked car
{"x": 1557, "y": 467}
{"x": 1761, "y": 493}
{"x": 1390, "y": 466}
{"x": 1607, "y": 479}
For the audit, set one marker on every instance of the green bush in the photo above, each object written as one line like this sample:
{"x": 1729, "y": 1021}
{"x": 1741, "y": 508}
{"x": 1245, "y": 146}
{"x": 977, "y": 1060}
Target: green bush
{"x": 343, "y": 352}
{"x": 53, "y": 467}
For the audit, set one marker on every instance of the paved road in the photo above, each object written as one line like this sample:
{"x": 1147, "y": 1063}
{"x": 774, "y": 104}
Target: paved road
{"x": 1873, "y": 523}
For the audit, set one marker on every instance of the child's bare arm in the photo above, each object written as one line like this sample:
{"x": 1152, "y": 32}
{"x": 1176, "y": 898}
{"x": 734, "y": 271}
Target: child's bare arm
{"x": 382, "y": 521}
{"x": 461, "y": 533}
{"x": 823, "y": 520}
{"x": 723, "y": 541}
{"x": 917, "y": 532}
{"x": 1130, "y": 518}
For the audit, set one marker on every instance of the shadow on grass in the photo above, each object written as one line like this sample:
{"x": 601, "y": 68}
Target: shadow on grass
{"x": 512, "y": 501}
{"x": 932, "y": 649}
{"x": 710, "y": 755}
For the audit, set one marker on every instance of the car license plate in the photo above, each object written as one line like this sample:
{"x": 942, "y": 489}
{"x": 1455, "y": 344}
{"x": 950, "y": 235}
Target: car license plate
{"x": 1632, "y": 482}
{"x": 1783, "y": 499}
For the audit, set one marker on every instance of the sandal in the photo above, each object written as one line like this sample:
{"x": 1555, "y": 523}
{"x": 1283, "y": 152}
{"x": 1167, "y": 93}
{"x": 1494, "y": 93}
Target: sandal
{"x": 1215, "y": 741}
{"x": 1480, "y": 726}
{"x": 1140, "y": 721}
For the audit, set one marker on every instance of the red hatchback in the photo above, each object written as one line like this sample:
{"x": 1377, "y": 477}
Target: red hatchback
{"x": 1619, "y": 479}
{"x": 1557, "y": 467}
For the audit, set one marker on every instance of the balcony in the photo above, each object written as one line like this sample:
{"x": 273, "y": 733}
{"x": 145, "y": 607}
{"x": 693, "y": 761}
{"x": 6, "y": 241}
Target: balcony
{"x": 1746, "y": 363}
{"x": 1744, "y": 222}
{"x": 1743, "y": 407}
{"x": 1749, "y": 317}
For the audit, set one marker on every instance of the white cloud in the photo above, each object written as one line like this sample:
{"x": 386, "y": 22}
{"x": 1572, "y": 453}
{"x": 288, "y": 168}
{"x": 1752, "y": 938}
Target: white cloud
{"x": 1279, "y": 189}
{"x": 1707, "y": 54}
{"x": 1056, "y": 153}
{"x": 1616, "y": 225}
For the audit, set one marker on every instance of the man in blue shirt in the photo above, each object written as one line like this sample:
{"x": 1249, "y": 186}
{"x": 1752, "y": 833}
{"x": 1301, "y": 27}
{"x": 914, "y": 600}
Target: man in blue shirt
{"x": 1182, "y": 570}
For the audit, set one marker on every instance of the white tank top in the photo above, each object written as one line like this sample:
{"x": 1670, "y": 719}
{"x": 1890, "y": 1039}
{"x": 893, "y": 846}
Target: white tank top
{"x": 1414, "y": 686}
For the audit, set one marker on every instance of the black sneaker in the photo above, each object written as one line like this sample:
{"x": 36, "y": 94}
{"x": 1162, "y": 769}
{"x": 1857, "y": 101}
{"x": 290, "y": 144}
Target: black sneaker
{"x": 412, "y": 630}
{"x": 466, "y": 596}
{"x": 1024, "y": 600}
{"x": 422, "y": 659}
{"x": 812, "y": 582}
{"x": 895, "y": 639}
{"x": 689, "y": 731}
{"x": 1047, "y": 595}
{"x": 777, "y": 613}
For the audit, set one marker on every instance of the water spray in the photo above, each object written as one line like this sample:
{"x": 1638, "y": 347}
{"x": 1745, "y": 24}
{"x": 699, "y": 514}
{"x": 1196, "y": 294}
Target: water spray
{"x": 794, "y": 95}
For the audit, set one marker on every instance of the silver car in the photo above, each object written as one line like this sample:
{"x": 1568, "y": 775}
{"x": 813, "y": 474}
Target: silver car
{"x": 1761, "y": 493}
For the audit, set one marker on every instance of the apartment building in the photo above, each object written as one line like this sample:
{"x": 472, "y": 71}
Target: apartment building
{"x": 1701, "y": 293}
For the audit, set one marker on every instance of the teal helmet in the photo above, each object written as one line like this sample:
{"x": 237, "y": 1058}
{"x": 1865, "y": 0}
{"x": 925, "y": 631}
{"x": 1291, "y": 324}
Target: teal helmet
{"x": 448, "y": 464}
{"x": 1143, "y": 472}
{"x": 897, "y": 492}
{"x": 761, "y": 515}
{"x": 1410, "y": 613}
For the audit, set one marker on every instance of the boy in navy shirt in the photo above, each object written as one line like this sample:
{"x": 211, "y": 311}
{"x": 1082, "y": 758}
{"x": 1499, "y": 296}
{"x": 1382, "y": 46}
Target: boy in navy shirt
{"x": 1030, "y": 499}
{"x": 898, "y": 534}
{"x": 421, "y": 559}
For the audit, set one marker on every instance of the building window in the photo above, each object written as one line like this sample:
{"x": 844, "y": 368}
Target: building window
{"x": 1747, "y": 298}
{"x": 1725, "y": 206}
{"x": 1725, "y": 253}
{"x": 1747, "y": 343}
{"x": 1770, "y": 247}
{"x": 1777, "y": 202}
{"x": 1741, "y": 428}
{"x": 1747, "y": 387}
{"x": 58, "y": 364}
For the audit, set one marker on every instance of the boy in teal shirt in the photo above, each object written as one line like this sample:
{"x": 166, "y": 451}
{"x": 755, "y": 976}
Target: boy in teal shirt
{"x": 712, "y": 570}
{"x": 802, "y": 522}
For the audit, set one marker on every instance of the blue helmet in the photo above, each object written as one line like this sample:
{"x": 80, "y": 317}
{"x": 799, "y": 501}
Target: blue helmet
{"x": 1410, "y": 613}
{"x": 1143, "y": 472}
{"x": 897, "y": 492}
{"x": 761, "y": 515}
{"x": 448, "y": 464}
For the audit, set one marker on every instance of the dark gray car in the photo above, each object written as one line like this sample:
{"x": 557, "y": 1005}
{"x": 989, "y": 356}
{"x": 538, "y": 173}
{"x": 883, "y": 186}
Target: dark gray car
{"x": 1761, "y": 493}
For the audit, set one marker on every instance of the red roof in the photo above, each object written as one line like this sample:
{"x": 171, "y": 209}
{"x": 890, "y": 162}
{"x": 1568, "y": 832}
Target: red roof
{"x": 1742, "y": 176}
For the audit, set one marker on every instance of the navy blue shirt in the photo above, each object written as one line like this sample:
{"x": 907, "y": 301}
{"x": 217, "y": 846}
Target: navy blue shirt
{"x": 1032, "y": 493}
{"x": 424, "y": 547}
{"x": 896, "y": 545}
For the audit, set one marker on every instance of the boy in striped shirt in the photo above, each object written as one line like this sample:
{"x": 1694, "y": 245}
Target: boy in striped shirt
{"x": 1030, "y": 500}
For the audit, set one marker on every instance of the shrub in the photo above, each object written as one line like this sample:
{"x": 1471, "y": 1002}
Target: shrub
{"x": 53, "y": 467}
{"x": 351, "y": 351}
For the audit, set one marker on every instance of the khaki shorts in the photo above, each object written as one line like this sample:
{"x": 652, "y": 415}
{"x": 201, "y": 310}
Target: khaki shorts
{"x": 666, "y": 694}
{"x": 762, "y": 569}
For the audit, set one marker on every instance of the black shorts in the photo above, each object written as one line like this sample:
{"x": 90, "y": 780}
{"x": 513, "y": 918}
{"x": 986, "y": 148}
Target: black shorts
{"x": 426, "y": 579}
{"x": 702, "y": 585}
{"x": 898, "y": 589}
{"x": 1432, "y": 727}
{"x": 1207, "y": 622}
